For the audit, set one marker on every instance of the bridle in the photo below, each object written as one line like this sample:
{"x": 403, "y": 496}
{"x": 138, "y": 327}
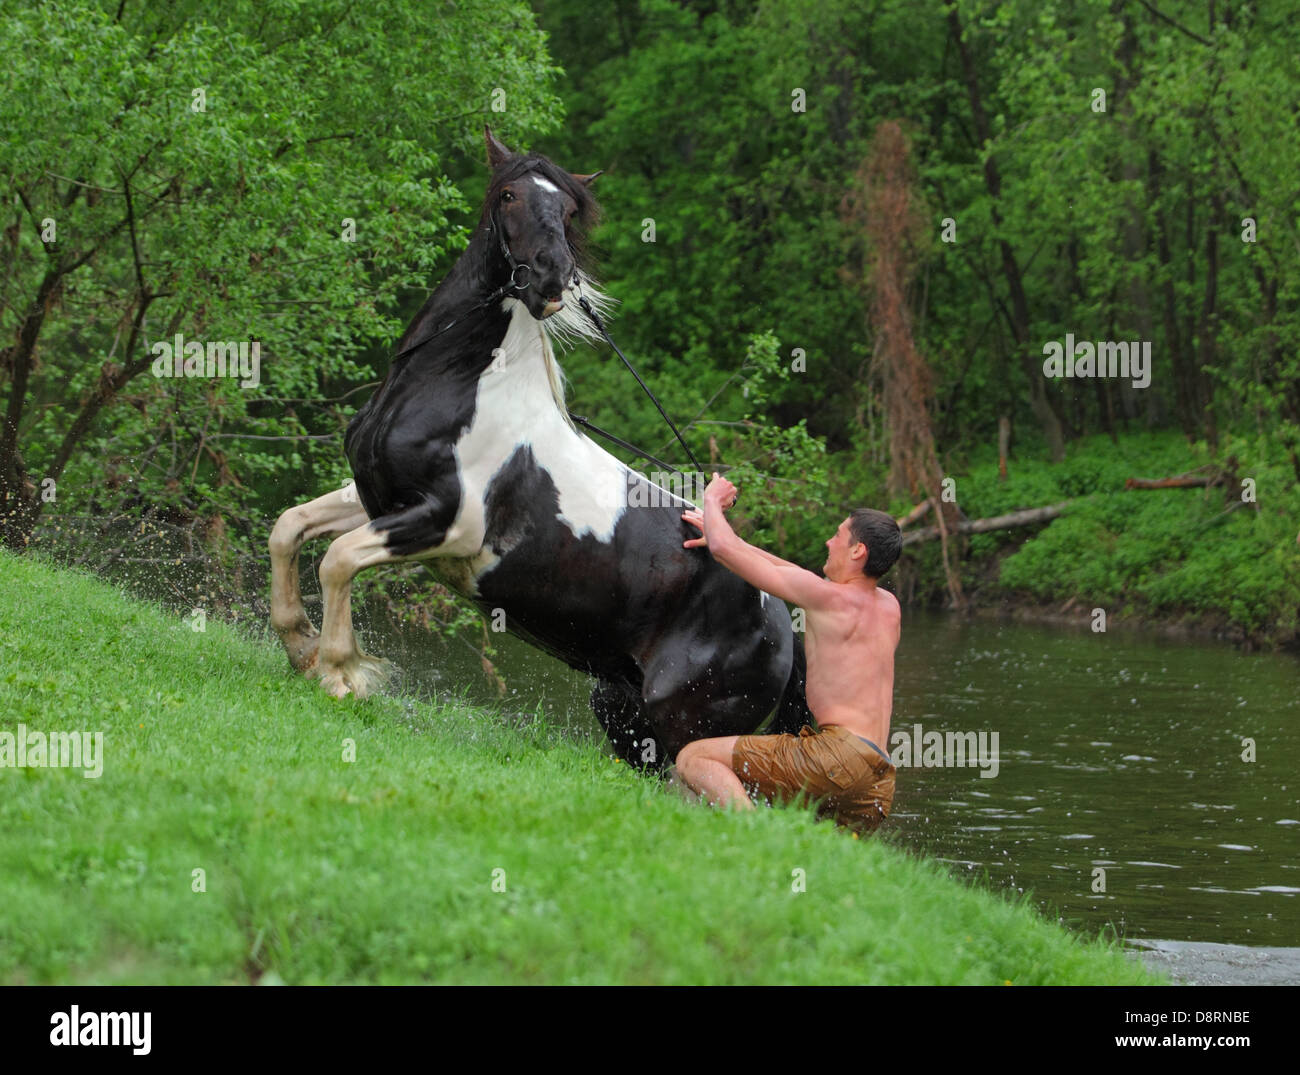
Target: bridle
{"x": 515, "y": 266}
{"x": 513, "y": 284}
{"x": 594, "y": 318}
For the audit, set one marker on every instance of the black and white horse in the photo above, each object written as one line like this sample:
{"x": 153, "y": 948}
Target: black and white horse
{"x": 466, "y": 458}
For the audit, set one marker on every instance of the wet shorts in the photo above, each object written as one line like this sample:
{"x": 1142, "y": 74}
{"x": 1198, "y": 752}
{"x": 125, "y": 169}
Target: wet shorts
{"x": 852, "y": 779}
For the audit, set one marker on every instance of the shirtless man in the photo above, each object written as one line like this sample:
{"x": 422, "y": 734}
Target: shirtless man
{"x": 852, "y": 632}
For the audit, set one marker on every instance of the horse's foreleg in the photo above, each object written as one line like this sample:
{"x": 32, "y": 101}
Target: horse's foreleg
{"x": 326, "y": 516}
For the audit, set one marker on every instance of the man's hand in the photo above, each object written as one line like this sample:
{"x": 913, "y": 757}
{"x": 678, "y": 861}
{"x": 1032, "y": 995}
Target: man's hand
{"x": 720, "y": 493}
{"x": 696, "y": 518}
{"x": 760, "y": 569}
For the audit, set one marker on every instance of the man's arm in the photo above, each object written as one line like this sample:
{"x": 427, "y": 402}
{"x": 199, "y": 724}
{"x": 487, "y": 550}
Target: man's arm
{"x": 778, "y": 577}
{"x": 696, "y": 518}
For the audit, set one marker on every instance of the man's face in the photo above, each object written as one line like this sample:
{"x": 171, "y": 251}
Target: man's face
{"x": 838, "y": 550}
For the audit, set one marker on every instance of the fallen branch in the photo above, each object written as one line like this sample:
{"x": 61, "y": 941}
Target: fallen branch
{"x": 1180, "y": 481}
{"x": 916, "y": 513}
{"x": 1027, "y": 517}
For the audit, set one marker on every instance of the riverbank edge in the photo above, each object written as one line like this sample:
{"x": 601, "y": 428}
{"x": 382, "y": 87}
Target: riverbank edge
{"x": 1207, "y": 963}
{"x": 986, "y": 598}
{"x": 1014, "y": 607}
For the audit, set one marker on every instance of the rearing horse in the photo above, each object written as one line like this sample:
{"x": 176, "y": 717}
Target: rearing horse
{"x": 466, "y": 458}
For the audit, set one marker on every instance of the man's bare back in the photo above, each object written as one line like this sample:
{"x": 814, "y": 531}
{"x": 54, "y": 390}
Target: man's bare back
{"x": 851, "y": 663}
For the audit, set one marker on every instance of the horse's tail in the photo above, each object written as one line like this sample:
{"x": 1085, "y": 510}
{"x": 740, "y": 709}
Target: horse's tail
{"x": 792, "y": 712}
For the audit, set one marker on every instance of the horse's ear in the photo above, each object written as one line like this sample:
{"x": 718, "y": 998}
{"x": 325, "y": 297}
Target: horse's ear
{"x": 498, "y": 154}
{"x": 586, "y": 180}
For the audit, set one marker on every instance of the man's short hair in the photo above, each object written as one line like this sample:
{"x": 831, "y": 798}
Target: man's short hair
{"x": 882, "y": 537}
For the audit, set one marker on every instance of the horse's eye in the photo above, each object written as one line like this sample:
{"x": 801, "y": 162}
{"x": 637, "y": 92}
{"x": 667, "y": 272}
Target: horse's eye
{"x": 506, "y": 196}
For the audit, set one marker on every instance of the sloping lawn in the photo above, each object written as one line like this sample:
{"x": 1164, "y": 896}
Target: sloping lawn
{"x": 454, "y": 849}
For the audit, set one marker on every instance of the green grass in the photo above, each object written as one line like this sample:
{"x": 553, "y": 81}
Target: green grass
{"x": 381, "y": 870}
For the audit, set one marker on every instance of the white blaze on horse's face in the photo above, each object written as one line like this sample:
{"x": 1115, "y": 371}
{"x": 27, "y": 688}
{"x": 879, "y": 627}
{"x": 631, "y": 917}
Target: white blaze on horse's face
{"x": 546, "y": 185}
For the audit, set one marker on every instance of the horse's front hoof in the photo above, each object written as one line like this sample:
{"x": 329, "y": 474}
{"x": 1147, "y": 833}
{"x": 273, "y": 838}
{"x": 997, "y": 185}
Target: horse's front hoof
{"x": 301, "y": 642}
{"x": 303, "y": 650}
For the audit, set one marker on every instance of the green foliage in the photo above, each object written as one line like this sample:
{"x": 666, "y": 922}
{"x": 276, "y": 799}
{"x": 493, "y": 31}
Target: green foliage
{"x": 227, "y": 223}
{"x": 785, "y": 468}
{"x": 201, "y": 166}
{"x": 1165, "y": 552}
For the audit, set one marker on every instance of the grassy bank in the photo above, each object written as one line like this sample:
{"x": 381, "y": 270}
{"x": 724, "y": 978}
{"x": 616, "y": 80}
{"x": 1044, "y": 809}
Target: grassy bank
{"x": 318, "y": 869}
{"x": 1192, "y": 556}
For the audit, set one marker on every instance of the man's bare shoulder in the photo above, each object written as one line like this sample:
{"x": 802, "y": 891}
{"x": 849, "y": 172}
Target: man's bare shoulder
{"x": 871, "y": 612}
{"x": 881, "y": 611}
{"x": 879, "y": 602}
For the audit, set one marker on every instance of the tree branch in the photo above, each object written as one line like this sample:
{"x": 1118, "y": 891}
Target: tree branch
{"x": 1176, "y": 25}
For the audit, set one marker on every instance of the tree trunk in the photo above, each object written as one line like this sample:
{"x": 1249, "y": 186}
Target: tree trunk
{"x": 1184, "y": 409}
{"x": 19, "y": 504}
{"x": 1180, "y": 481}
{"x": 1208, "y": 326}
{"x": 1040, "y": 401}
{"x": 883, "y": 207}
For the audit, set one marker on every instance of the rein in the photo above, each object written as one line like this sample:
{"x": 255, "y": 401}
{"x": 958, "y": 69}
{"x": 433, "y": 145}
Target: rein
{"x": 586, "y": 424}
{"x": 594, "y": 318}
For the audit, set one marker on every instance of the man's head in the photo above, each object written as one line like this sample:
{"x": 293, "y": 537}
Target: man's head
{"x": 866, "y": 543}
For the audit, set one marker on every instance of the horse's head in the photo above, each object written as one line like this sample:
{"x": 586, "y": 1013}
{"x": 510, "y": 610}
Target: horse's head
{"x": 538, "y": 215}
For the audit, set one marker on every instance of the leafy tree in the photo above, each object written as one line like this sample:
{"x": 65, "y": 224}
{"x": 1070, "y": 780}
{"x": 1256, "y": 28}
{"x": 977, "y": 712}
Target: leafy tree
{"x": 250, "y": 173}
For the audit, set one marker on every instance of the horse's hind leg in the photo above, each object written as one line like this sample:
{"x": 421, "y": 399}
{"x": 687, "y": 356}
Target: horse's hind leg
{"x": 326, "y": 516}
{"x": 342, "y": 667}
{"x": 619, "y": 709}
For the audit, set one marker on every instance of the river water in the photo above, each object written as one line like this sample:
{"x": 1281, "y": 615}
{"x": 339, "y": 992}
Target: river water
{"x": 1123, "y": 793}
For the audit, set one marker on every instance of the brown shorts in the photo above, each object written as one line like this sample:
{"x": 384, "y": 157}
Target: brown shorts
{"x": 853, "y": 781}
